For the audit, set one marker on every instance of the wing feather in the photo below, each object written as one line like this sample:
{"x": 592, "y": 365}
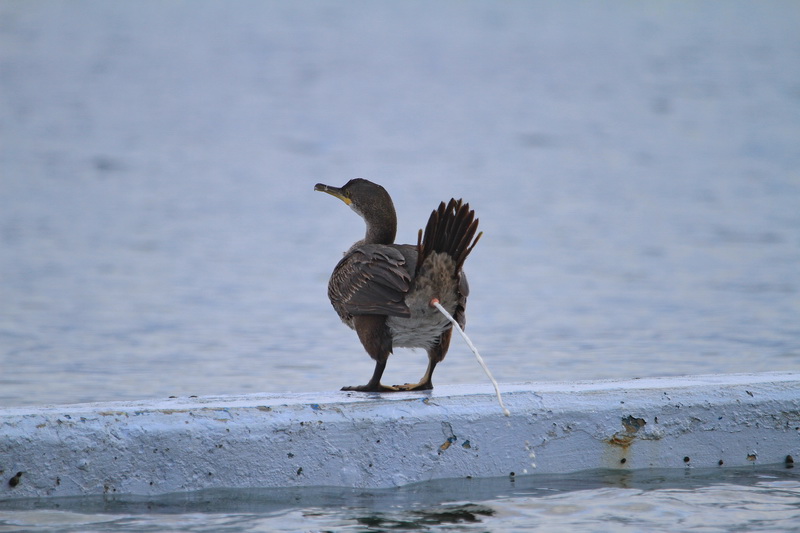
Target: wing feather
{"x": 370, "y": 280}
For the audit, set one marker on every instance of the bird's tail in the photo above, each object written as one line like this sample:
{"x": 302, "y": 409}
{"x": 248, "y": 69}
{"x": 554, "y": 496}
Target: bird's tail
{"x": 451, "y": 229}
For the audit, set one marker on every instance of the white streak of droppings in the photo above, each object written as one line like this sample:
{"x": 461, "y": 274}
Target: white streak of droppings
{"x": 442, "y": 310}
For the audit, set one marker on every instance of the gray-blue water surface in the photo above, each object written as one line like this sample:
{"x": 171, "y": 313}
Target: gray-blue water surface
{"x": 634, "y": 167}
{"x": 603, "y": 500}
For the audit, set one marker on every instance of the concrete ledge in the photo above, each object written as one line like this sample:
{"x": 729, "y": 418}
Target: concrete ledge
{"x": 375, "y": 441}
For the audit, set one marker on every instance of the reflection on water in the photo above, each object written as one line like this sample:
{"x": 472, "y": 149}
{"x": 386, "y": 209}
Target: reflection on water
{"x": 634, "y": 500}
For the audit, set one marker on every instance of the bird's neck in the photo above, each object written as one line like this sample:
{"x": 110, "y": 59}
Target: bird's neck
{"x": 382, "y": 230}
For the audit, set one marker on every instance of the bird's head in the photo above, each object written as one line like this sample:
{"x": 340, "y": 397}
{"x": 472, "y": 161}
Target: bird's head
{"x": 371, "y": 202}
{"x": 364, "y": 197}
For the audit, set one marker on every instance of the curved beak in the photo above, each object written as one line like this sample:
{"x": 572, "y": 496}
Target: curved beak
{"x": 333, "y": 191}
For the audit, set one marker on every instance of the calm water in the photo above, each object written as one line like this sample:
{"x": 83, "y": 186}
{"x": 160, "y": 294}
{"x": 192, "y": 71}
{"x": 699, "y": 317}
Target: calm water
{"x": 700, "y": 500}
{"x": 634, "y": 165}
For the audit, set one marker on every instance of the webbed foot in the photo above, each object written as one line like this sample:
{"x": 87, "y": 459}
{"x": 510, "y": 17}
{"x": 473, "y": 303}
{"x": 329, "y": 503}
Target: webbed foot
{"x": 422, "y": 385}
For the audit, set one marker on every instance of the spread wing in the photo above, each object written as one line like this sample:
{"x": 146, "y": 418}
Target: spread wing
{"x": 372, "y": 279}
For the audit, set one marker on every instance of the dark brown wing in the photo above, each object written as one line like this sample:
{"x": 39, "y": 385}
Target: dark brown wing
{"x": 372, "y": 279}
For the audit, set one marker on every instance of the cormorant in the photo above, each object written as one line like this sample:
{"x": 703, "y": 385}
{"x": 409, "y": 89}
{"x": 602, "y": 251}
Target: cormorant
{"x": 384, "y": 290}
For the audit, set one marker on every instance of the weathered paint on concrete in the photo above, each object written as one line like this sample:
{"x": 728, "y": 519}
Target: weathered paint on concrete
{"x": 373, "y": 440}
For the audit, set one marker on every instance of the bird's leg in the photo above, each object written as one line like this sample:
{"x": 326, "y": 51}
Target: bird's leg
{"x": 425, "y": 383}
{"x": 377, "y": 341}
{"x": 435, "y": 356}
{"x": 374, "y": 384}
